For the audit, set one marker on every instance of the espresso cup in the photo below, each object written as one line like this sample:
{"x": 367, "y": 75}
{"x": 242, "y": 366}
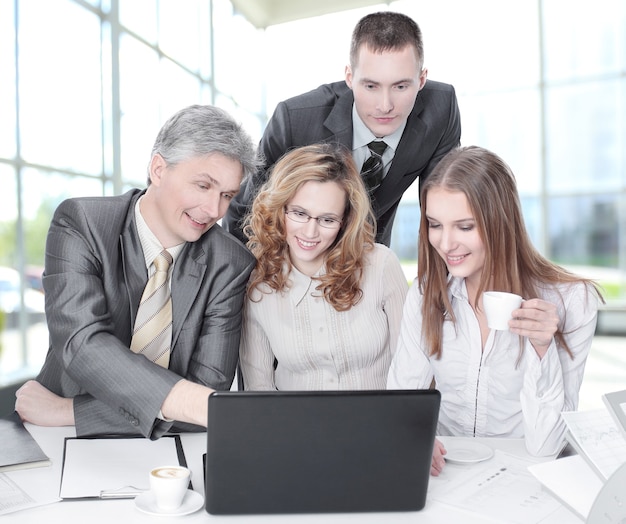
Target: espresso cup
{"x": 499, "y": 307}
{"x": 169, "y": 485}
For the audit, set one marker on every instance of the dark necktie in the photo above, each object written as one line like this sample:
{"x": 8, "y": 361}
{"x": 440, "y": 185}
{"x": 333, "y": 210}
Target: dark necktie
{"x": 152, "y": 336}
{"x": 372, "y": 170}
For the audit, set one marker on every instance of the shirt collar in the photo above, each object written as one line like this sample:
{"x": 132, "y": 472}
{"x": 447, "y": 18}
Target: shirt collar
{"x": 149, "y": 242}
{"x": 302, "y": 284}
{"x": 361, "y": 135}
{"x": 457, "y": 287}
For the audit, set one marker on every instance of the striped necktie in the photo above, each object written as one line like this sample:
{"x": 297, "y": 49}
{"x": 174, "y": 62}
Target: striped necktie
{"x": 372, "y": 170}
{"x": 152, "y": 336}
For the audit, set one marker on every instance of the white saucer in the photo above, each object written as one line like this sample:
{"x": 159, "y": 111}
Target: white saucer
{"x": 192, "y": 502}
{"x": 462, "y": 450}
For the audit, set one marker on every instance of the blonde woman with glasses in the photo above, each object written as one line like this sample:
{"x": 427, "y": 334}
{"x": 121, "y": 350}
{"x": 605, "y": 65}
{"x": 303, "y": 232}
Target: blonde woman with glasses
{"x": 324, "y": 301}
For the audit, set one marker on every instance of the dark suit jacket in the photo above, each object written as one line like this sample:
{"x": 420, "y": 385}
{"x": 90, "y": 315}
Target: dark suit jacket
{"x": 325, "y": 115}
{"x": 94, "y": 277}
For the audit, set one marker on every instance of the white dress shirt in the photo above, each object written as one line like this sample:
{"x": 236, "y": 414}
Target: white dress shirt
{"x": 151, "y": 248}
{"x": 492, "y": 392}
{"x": 150, "y": 244}
{"x": 317, "y": 347}
{"x": 361, "y": 136}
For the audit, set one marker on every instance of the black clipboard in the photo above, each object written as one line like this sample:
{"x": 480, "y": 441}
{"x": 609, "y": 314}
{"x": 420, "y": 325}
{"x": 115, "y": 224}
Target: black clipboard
{"x": 114, "y": 467}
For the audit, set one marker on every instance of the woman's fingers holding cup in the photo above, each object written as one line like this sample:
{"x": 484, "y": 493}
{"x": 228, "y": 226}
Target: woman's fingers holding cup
{"x": 535, "y": 312}
{"x": 537, "y": 320}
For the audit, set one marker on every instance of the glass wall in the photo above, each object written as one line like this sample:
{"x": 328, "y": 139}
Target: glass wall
{"x": 84, "y": 89}
{"x": 85, "y": 86}
{"x": 543, "y": 85}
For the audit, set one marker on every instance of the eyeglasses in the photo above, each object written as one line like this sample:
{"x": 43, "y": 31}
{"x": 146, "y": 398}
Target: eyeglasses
{"x": 302, "y": 218}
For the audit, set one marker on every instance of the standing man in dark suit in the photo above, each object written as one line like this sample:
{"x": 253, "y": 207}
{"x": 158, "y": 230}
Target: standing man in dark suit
{"x": 99, "y": 256}
{"x": 385, "y": 96}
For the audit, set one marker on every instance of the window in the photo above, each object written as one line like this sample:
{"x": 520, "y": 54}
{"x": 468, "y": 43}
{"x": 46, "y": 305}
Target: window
{"x": 543, "y": 84}
{"x": 96, "y": 81}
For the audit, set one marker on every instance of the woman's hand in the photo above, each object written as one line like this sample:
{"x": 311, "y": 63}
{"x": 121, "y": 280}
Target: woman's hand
{"x": 38, "y": 405}
{"x": 537, "y": 320}
{"x": 438, "y": 461}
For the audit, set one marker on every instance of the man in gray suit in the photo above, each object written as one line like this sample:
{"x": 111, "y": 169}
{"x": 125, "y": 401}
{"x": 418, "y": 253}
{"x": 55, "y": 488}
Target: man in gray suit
{"x": 99, "y": 256}
{"x": 385, "y": 96}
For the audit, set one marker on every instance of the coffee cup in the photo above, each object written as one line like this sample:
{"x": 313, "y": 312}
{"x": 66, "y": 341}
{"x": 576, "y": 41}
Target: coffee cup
{"x": 498, "y": 307}
{"x": 169, "y": 485}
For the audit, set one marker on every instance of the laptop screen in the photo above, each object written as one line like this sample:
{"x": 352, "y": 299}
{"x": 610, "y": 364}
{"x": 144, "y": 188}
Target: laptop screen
{"x": 324, "y": 451}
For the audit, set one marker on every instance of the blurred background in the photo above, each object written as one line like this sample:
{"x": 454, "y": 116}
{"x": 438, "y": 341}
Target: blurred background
{"x": 85, "y": 86}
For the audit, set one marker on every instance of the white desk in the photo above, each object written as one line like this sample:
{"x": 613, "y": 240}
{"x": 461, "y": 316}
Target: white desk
{"x": 123, "y": 511}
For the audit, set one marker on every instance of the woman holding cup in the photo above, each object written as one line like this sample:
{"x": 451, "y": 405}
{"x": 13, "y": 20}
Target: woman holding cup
{"x": 494, "y": 383}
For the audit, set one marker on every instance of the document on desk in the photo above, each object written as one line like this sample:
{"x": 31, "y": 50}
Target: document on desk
{"x": 571, "y": 480}
{"x": 12, "y": 497}
{"x": 114, "y": 467}
{"x": 597, "y": 438}
{"x": 501, "y": 487}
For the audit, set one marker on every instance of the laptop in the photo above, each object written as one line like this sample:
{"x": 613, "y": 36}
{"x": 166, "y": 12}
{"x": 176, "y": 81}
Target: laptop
{"x": 319, "y": 451}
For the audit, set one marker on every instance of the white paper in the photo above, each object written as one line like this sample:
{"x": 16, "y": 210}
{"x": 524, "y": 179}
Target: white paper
{"x": 96, "y": 466}
{"x": 571, "y": 480}
{"x": 12, "y": 497}
{"x": 499, "y": 486}
{"x": 598, "y": 438}
{"x": 27, "y": 488}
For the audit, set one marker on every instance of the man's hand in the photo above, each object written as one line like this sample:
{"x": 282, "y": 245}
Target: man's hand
{"x": 438, "y": 461}
{"x": 187, "y": 402}
{"x": 38, "y": 405}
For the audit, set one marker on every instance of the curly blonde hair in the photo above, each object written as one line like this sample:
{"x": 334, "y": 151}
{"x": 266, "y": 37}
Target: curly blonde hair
{"x": 265, "y": 224}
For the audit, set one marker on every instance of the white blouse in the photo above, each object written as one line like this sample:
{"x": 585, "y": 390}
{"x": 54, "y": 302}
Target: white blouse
{"x": 317, "y": 347}
{"x": 490, "y": 393}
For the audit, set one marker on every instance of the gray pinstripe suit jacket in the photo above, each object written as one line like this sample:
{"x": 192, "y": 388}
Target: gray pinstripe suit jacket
{"x": 94, "y": 277}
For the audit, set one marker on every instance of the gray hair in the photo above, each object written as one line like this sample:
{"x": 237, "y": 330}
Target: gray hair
{"x": 200, "y": 130}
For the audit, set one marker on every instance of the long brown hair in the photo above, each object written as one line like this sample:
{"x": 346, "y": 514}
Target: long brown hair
{"x": 265, "y": 224}
{"x": 512, "y": 263}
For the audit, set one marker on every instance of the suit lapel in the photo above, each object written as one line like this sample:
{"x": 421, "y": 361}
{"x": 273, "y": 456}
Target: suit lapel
{"x": 133, "y": 262}
{"x": 339, "y": 120}
{"x": 189, "y": 271}
{"x": 406, "y": 160}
